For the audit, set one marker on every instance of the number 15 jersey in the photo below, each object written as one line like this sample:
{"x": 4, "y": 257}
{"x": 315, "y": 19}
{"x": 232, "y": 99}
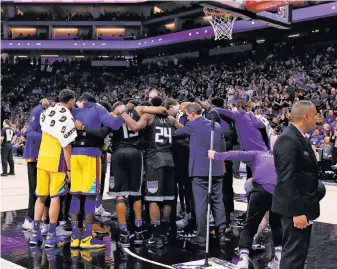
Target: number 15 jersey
{"x": 125, "y": 137}
{"x": 158, "y": 137}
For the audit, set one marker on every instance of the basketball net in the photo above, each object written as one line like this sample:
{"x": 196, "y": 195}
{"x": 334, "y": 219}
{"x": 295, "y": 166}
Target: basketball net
{"x": 222, "y": 23}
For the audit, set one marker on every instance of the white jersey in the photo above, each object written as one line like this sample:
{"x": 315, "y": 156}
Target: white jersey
{"x": 266, "y": 123}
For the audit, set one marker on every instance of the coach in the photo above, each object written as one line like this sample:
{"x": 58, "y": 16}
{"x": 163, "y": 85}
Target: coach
{"x": 198, "y": 128}
{"x": 296, "y": 197}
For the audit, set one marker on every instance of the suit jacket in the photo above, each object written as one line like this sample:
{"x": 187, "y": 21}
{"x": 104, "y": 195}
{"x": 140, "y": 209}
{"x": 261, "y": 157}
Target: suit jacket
{"x": 199, "y": 132}
{"x": 297, "y": 176}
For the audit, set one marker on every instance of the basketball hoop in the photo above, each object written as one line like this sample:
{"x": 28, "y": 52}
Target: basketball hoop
{"x": 222, "y": 23}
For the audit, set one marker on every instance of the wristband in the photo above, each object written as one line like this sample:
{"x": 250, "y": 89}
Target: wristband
{"x": 68, "y": 170}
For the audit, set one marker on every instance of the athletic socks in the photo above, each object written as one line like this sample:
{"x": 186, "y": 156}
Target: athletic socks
{"x": 156, "y": 231}
{"x": 123, "y": 228}
{"x": 244, "y": 253}
{"x": 74, "y": 229}
{"x": 52, "y": 228}
{"x": 37, "y": 225}
{"x": 87, "y": 230}
{"x": 138, "y": 225}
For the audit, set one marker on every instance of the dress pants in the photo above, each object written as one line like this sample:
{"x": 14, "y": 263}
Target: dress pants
{"x": 32, "y": 172}
{"x": 200, "y": 190}
{"x": 295, "y": 245}
{"x": 7, "y": 158}
{"x": 260, "y": 202}
{"x": 227, "y": 189}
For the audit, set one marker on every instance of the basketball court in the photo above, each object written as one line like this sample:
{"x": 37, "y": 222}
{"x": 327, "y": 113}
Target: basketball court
{"x": 323, "y": 251}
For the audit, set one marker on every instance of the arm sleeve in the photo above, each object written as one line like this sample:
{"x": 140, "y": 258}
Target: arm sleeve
{"x": 285, "y": 154}
{"x": 234, "y": 156}
{"x": 100, "y": 133}
{"x": 108, "y": 120}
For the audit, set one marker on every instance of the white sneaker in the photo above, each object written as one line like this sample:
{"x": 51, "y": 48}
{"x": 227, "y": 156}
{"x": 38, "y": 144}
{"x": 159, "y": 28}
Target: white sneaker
{"x": 60, "y": 231}
{"x": 182, "y": 223}
{"x": 27, "y": 225}
{"x": 100, "y": 211}
{"x": 256, "y": 246}
{"x": 211, "y": 220}
{"x": 243, "y": 263}
{"x": 44, "y": 228}
{"x": 275, "y": 263}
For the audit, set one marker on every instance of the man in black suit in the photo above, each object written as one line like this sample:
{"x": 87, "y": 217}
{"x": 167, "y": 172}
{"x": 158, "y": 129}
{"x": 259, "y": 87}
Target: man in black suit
{"x": 296, "y": 197}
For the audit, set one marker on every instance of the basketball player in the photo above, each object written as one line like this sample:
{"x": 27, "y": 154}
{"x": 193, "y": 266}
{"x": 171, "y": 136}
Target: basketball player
{"x": 7, "y": 134}
{"x": 126, "y": 152}
{"x": 159, "y": 170}
{"x": 53, "y": 165}
{"x": 30, "y": 153}
{"x": 86, "y": 167}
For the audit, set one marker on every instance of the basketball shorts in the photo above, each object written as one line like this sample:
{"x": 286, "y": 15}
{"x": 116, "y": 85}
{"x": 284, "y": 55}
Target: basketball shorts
{"x": 85, "y": 174}
{"x": 159, "y": 184}
{"x": 126, "y": 172}
{"x": 51, "y": 184}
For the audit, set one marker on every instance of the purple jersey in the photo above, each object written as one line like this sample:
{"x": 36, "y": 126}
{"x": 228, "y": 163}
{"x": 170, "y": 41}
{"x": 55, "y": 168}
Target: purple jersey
{"x": 261, "y": 162}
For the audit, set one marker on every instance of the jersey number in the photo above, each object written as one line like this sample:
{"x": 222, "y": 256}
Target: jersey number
{"x": 127, "y": 132}
{"x": 161, "y": 133}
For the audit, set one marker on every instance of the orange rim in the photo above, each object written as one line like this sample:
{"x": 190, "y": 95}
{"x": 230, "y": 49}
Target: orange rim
{"x": 215, "y": 13}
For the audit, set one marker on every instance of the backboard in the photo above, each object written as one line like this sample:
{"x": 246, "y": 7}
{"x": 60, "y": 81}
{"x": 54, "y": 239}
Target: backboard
{"x": 274, "y": 13}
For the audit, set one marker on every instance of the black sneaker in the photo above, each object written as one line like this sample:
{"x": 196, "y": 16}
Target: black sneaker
{"x": 139, "y": 238}
{"x": 195, "y": 242}
{"x": 124, "y": 240}
{"x": 4, "y": 175}
{"x": 223, "y": 239}
{"x": 11, "y": 174}
{"x": 241, "y": 217}
{"x": 155, "y": 242}
{"x": 165, "y": 239}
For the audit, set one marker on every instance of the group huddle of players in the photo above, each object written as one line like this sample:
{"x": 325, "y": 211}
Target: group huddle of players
{"x": 69, "y": 161}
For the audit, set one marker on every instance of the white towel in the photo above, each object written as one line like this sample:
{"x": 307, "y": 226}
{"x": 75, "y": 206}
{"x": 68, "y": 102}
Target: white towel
{"x": 58, "y": 122}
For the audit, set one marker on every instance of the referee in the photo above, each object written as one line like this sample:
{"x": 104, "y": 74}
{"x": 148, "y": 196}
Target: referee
{"x": 7, "y": 135}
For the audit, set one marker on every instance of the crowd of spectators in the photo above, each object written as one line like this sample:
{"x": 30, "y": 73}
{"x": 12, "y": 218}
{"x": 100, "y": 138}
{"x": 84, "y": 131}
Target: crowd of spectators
{"x": 261, "y": 82}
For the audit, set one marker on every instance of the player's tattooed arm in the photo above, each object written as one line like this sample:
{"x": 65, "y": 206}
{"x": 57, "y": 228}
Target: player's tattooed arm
{"x": 175, "y": 122}
{"x": 152, "y": 110}
{"x": 139, "y": 125}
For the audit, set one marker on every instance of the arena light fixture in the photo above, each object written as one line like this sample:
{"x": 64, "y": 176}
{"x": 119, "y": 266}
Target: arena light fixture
{"x": 79, "y": 56}
{"x": 22, "y": 56}
{"x": 105, "y": 56}
{"x": 160, "y": 39}
{"x": 260, "y": 41}
{"x": 49, "y": 56}
{"x": 295, "y": 35}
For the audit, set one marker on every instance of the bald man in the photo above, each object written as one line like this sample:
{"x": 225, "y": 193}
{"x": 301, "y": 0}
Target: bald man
{"x": 153, "y": 93}
{"x": 296, "y": 197}
{"x": 30, "y": 154}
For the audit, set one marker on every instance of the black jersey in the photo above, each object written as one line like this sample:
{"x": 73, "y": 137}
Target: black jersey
{"x": 158, "y": 137}
{"x": 7, "y": 133}
{"x": 124, "y": 136}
